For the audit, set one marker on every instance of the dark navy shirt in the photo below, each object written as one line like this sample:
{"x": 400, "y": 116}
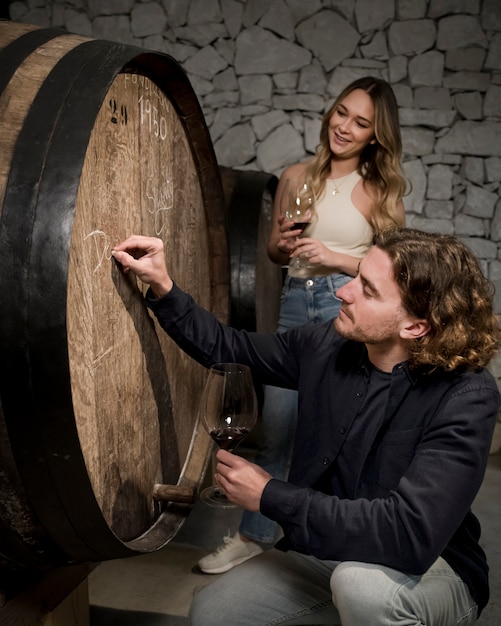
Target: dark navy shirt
{"x": 362, "y": 443}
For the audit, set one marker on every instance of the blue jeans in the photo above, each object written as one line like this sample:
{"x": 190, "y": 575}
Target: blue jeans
{"x": 290, "y": 588}
{"x": 303, "y": 300}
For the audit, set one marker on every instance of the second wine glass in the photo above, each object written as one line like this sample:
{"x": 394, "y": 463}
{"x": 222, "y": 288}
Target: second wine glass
{"x": 300, "y": 209}
{"x": 228, "y": 411}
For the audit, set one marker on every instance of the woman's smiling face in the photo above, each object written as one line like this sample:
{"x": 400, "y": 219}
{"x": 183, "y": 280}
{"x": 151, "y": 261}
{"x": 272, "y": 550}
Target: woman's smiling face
{"x": 352, "y": 125}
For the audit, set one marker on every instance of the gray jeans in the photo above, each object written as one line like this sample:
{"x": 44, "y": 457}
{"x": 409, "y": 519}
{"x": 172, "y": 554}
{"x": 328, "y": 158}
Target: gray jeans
{"x": 290, "y": 588}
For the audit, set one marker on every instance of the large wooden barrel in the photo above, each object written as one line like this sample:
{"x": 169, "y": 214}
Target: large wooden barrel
{"x": 255, "y": 281}
{"x": 98, "y": 140}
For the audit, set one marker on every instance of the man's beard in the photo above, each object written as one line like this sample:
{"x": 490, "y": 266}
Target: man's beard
{"x": 371, "y": 335}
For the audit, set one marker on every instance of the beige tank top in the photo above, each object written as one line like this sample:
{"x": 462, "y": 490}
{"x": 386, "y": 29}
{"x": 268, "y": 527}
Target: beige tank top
{"x": 338, "y": 224}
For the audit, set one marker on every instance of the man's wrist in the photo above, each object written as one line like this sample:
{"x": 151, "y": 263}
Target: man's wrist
{"x": 159, "y": 290}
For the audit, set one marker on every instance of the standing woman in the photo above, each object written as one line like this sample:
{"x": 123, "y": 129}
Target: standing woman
{"x": 358, "y": 184}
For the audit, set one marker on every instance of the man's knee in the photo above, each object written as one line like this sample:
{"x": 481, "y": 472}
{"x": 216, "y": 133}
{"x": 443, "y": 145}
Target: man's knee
{"x": 342, "y": 581}
{"x": 359, "y": 587}
{"x": 206, "y": 607}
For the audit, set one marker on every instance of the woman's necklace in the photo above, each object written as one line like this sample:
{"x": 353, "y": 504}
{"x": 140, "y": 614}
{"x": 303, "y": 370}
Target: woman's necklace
{"x": 340, "y": 181}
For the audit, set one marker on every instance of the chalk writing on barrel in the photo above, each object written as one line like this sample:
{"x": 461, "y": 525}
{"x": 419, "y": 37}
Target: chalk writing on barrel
{"x": 150, "y": 116}
{"x": 161, "y": 198}
{"x": 102, "y": 245}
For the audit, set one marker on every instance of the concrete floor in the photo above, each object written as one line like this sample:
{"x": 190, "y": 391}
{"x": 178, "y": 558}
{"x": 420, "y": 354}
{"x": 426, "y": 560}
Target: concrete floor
{"x": 156, "y": 589}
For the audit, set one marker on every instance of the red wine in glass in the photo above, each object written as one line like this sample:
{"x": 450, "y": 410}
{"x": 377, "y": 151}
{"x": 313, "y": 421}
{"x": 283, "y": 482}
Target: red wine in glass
{"x": 229, "y": 438}
{"x": 228, "y": 410}
{"x": 301, "y": 225}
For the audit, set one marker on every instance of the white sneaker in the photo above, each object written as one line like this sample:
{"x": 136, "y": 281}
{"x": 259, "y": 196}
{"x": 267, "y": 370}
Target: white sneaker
{"x": 233, "y": 552}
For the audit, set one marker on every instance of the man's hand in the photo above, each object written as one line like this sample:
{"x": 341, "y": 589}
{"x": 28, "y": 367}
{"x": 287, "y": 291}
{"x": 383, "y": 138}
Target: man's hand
{"x": 145, "y": 257}
{"x": 243, "y": 482}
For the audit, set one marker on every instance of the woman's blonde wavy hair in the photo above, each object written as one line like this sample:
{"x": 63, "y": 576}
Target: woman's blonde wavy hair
{"x": 379, "y": 162}
{"x": 440, "y": 280}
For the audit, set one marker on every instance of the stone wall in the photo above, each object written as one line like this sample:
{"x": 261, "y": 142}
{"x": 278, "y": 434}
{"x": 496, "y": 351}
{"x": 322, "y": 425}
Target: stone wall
{"x": 265, "y": 70}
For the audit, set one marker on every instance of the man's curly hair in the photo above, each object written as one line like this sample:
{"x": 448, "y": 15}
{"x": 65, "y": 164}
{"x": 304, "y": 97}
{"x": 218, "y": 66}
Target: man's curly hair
{"x": 440, "y": 280}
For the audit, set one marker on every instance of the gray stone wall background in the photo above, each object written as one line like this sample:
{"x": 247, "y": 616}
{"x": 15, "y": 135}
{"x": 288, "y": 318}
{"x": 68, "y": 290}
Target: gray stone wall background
{"x": 265, "y": 70}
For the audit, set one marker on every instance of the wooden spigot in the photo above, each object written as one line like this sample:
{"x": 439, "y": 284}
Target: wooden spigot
{"x": 174, "y": 493}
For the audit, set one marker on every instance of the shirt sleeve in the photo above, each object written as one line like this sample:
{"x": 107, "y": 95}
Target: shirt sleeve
{"x": 203, "y": 337}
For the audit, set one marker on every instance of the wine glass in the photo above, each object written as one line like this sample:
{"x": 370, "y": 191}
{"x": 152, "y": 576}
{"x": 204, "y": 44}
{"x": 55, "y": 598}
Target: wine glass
{"x": 300, "y": 209}
{"x": 228, "y": 411}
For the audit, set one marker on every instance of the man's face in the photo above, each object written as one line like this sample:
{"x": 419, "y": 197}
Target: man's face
{"x": 372, "y": 310}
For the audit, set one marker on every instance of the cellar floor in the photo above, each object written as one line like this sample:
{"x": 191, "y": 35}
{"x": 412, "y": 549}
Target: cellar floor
{"x": 156, "y": 589}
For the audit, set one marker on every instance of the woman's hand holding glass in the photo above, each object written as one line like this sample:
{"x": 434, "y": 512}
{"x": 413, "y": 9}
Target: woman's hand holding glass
{"x": 298, "y": 208}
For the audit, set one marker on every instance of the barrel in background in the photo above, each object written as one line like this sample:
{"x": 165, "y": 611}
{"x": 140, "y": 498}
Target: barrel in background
{"x": 98, "y": 140}
{"x": 256, "y": 282}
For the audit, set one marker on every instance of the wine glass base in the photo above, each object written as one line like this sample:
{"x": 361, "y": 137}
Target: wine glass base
{"x": 213, "y": 496}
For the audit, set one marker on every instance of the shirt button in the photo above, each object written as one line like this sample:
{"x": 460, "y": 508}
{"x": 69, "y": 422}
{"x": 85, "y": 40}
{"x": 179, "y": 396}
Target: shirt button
{"x": 342, "y": 430}
{"x": 325, "y": 460}
{"x": 309, "y": 283}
